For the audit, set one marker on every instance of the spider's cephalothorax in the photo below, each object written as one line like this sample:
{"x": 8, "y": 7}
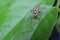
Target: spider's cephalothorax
{"x": 36, "y": 11}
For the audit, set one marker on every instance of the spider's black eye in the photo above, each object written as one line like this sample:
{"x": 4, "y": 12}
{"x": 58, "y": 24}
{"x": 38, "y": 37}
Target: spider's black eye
{"x": 34, "y": 13}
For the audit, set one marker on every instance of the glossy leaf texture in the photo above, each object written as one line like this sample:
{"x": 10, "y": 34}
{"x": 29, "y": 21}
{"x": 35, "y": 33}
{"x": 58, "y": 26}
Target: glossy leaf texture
{"x": 17, "y": 21}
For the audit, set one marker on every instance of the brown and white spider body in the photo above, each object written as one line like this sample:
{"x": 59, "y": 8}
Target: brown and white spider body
{"x": 36, "y": 11}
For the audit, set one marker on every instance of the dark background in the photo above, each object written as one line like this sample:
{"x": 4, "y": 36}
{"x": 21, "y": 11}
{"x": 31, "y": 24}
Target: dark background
{"x": 55, "y": 35}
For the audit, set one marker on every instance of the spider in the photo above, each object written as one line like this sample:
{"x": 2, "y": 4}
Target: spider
{"x": 36, "y": 11}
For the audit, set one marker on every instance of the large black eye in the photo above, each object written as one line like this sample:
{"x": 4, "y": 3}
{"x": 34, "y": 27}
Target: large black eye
{"x": 34, "y": 13}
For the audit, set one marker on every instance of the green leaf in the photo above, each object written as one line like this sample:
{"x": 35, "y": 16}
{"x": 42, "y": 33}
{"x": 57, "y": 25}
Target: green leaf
{"x": 17, "y": 21}
{"x": 42, "y": 25}
{"x": 47, "y": 2}
{"x": 44, "y": 29}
